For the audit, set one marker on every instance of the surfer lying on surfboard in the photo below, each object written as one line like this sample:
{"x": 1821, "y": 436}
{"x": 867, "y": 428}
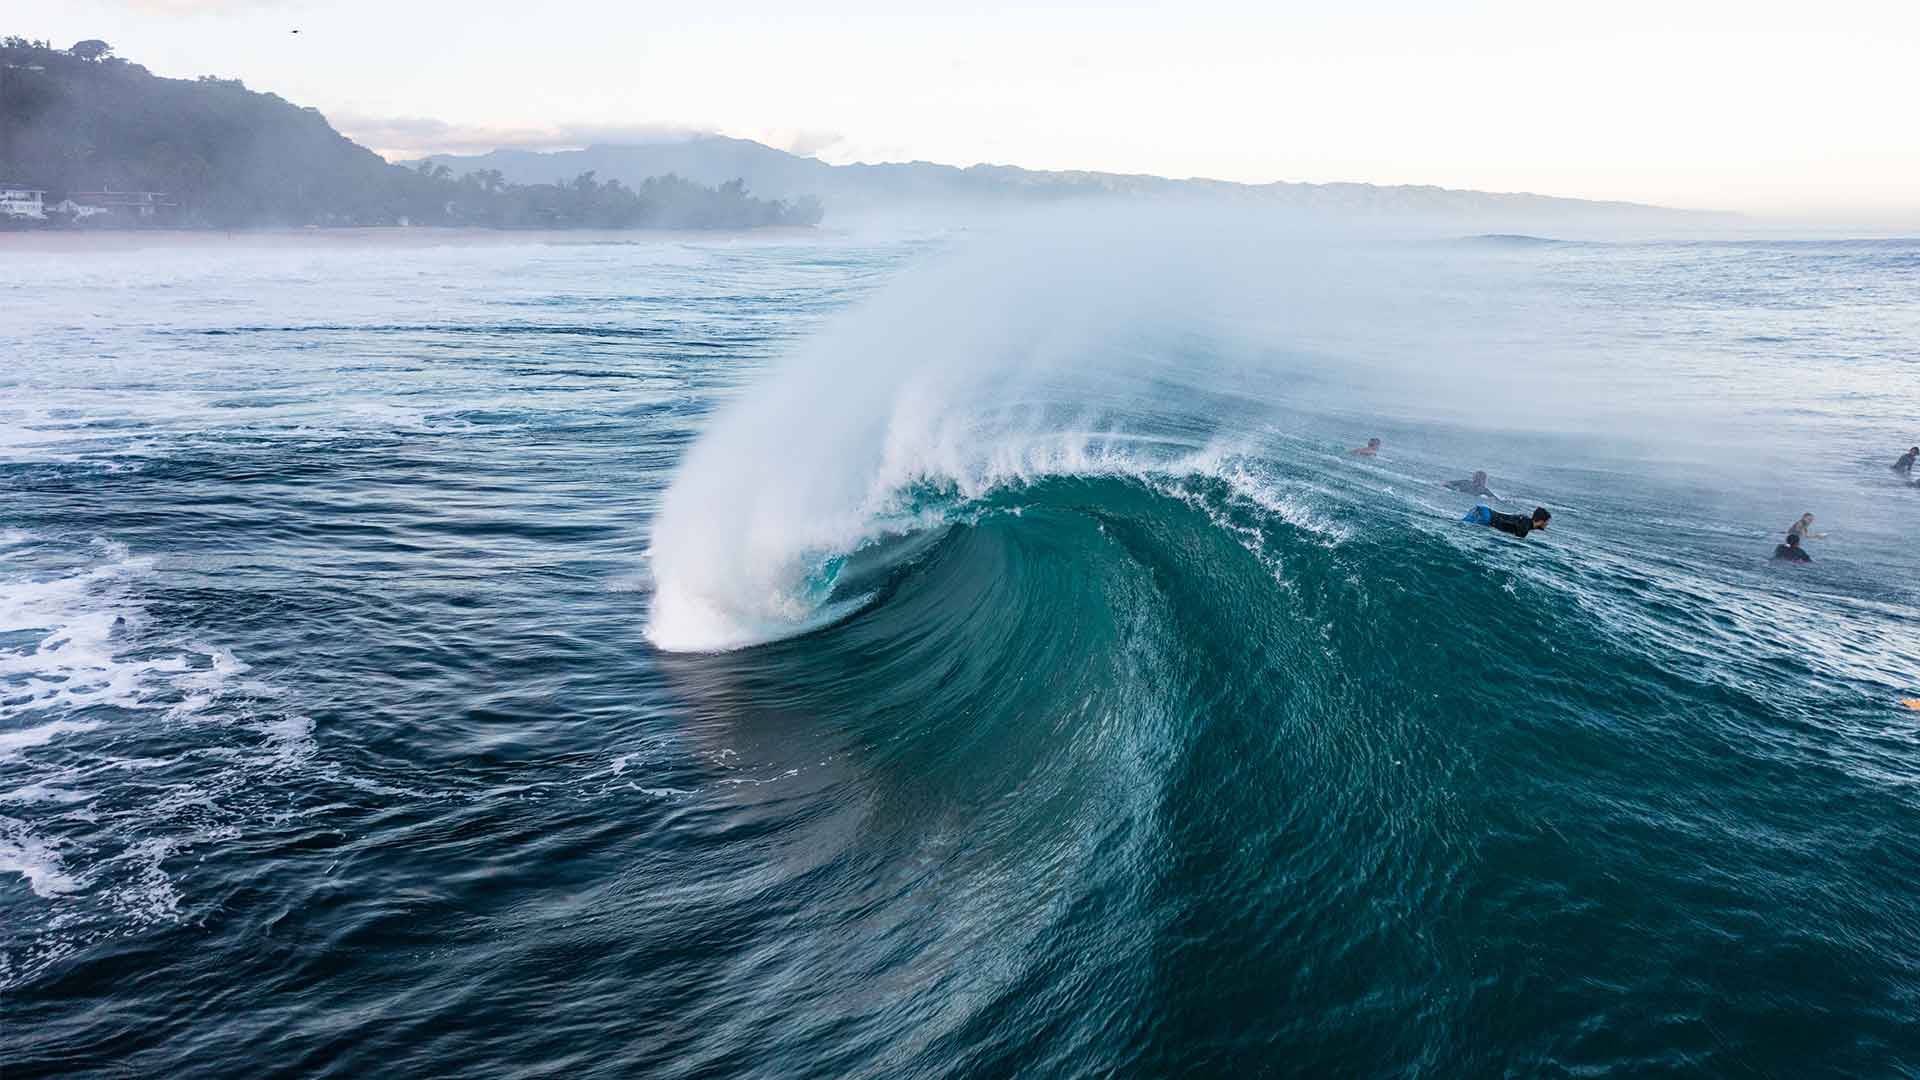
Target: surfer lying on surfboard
{"x": 1517, "y": 524}
{"x": 1473, "y": 485}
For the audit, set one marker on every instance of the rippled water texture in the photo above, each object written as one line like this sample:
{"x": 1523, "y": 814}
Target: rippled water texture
{"x": 953, "y": 655}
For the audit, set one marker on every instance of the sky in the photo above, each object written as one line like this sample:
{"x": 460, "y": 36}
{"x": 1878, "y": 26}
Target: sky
{"x": 1802, "y": 110}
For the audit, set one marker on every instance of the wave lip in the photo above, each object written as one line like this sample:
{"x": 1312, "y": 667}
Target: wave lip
{"x": 716, "y": 593}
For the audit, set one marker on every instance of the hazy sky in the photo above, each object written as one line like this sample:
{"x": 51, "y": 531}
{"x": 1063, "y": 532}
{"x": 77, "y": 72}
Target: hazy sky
{"x": 1795, "y": 108}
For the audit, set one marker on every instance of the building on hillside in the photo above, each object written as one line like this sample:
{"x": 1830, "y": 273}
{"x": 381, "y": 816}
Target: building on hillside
{"x": 67, "y": 208}
{"x": 22, "y": 202}
{"x": 130, "y": 204}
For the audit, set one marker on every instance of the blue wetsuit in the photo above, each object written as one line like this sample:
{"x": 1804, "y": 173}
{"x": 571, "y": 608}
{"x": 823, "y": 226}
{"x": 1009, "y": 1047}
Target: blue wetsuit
{"x": 1517, "y": 524}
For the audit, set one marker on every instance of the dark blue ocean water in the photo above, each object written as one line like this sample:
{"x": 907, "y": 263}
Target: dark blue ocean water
{"x": 956, "y": 655}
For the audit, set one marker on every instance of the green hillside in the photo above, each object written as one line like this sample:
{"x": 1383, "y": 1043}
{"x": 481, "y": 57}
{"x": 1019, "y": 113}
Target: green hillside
{"x": 80, "y": 119}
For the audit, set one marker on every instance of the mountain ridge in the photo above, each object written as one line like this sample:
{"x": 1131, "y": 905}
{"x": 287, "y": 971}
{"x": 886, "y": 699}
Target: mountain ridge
{"x": 775, "y": 173}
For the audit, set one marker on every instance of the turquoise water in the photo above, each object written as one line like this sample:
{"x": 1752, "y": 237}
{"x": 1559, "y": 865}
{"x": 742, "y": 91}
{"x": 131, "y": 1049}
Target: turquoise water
{"x": 958, "y": 655}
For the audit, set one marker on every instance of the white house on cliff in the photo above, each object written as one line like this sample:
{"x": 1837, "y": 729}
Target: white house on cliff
{"x": 22, "y": 202}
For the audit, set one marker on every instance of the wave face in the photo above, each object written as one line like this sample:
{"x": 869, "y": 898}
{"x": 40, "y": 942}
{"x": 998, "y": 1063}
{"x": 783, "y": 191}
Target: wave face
{"x": 954, "y": 383}
{"x": 1021, "y": 677}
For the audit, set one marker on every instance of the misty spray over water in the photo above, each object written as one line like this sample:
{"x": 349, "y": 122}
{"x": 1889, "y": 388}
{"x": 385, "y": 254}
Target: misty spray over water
{"x": 1024, "y": 353}
{"x": 1146, "y": 343}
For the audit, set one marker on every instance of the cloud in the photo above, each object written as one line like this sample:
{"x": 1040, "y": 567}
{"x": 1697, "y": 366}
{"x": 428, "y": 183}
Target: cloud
{"x": 419, "y": 136}
{"x": 807, "y": 143}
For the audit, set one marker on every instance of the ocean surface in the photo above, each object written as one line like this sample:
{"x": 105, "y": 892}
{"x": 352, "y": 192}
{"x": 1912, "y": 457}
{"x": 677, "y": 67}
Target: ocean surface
{"x": 963, "y": 653}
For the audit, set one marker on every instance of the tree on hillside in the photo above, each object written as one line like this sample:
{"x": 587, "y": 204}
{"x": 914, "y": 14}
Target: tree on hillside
{"x": 487, "y": 180}
{"x": 91, "y": 49}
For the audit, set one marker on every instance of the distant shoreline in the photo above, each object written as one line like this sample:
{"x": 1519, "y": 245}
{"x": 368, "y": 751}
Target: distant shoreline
{"x": 368, "y": 236}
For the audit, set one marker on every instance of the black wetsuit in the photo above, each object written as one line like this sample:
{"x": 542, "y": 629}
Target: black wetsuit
{"x": 1789, "y": 553}
{"x": 1469, "y": 487}
{"x": 1905, "y": 465}
{"x": 1517, "y": 524}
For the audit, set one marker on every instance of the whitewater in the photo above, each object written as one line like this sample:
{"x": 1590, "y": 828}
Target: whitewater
{"x": 957, "y": 652}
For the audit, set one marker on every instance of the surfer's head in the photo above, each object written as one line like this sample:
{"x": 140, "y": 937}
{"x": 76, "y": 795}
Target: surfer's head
{"x": 1541, "y": 515}
{"x": 1373, "y": 443}
{"x": 1793, "y": 539}
{"x": 1480, "y": 476}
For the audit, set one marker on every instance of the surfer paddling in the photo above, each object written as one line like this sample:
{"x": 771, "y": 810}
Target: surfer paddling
{"x": 1472, "y": 485}
{"x": 1517, "y": 524}
{"x": 1791, "y": 551}
{"x": 1372, "y": 448}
